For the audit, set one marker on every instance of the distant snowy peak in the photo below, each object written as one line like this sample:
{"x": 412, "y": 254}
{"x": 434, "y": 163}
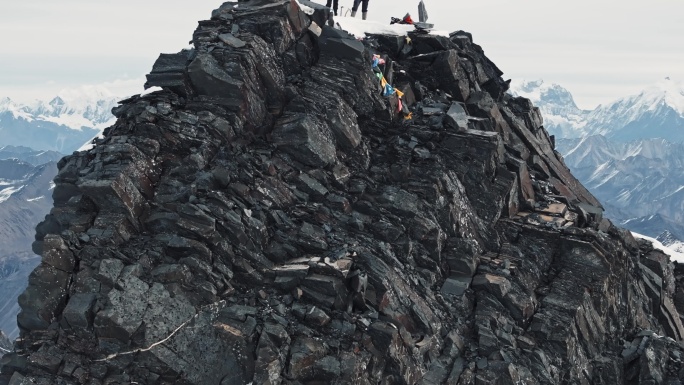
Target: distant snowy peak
{"x": 671, "y": 241}
{"x": 655, "y": 112}
{"x": 540, "y": 92}
{"x": 4, "y": 102}
{"x": 665, "y": 92}
{"x": 561, "y": 115}
{"x": 17, "y": 111}
{"x": 63, "y": 123}
{"x": 88, "y": 106}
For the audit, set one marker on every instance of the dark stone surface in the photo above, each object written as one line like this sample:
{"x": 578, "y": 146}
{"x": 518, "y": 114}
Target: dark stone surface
{"x": 231, "y": 40}
{"x": 78, "y": 311}
{"x": 270, "y": 218}
{"x": 170, "y": 71}
{"x": 456, "y": 117}
{"x": 305, "y": 139}
{"x": 209, "y": 78}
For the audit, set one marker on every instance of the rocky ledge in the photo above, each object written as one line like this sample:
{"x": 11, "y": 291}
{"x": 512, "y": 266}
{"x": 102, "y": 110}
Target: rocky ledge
{"x": 269, "y": 217}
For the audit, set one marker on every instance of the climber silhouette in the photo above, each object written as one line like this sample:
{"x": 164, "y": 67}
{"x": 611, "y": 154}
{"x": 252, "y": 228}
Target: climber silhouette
{"x": 364, "y": 9}
{"x": 334, "y": 4}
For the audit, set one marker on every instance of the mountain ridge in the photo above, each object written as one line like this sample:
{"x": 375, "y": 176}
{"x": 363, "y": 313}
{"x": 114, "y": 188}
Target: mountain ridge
{"x": 88, "y": 106}
{"x": 29, "y": 155}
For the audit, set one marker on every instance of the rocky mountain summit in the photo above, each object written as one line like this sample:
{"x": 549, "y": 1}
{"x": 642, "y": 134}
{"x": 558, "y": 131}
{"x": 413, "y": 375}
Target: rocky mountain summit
{"x": 270, "y": 217}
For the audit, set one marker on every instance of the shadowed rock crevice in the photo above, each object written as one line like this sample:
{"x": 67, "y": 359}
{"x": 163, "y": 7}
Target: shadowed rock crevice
{"x": 269, "y": 217}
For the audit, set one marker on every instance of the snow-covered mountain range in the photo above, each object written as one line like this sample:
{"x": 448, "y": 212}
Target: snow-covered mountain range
{"x": 62, "y": 124}
{"x": 629, "y": 153}
{"x": 655, "y": 112}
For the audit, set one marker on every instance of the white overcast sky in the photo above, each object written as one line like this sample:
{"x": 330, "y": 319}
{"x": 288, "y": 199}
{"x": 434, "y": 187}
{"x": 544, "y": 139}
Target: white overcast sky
{"x": 600, "y": 50}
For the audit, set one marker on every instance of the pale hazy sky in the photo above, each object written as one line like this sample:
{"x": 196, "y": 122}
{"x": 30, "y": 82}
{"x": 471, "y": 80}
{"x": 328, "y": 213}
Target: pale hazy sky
{"x": 599, "y": 50}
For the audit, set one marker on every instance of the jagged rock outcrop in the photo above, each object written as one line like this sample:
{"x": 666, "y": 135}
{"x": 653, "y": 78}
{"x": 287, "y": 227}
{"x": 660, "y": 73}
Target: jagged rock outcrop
{"x": 270, "y": 218}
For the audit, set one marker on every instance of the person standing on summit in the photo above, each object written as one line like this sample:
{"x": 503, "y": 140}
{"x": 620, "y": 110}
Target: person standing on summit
{"x": 334, "y": 5}
{"x": 364, "y": 9}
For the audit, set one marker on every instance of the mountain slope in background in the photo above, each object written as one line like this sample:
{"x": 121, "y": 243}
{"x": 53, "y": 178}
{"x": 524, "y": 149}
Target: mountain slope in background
{"x": 63, "y": 124}
{"x": 641, "y": 182}
{"x": 29, "y": 155}
{"x": 25, "y": 198}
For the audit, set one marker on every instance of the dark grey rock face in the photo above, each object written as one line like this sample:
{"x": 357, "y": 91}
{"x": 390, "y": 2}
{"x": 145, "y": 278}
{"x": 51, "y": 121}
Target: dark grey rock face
{"x": 270, "y": 218}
